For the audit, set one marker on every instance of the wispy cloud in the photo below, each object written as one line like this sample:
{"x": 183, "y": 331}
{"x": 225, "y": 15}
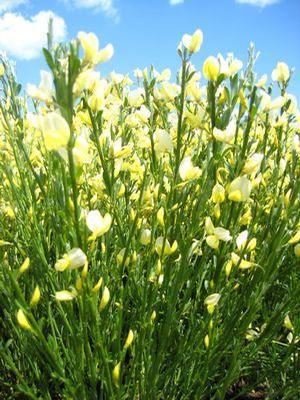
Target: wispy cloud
{"x": 24, "y": 38}
{"x": 8, "y": 5}
{"x": 175, "y": 2}
{"x": 106, "y": 6}
{"x": 258, "y": 3}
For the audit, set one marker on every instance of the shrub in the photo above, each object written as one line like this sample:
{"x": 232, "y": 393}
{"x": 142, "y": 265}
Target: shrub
{"x": 149, "y": 231}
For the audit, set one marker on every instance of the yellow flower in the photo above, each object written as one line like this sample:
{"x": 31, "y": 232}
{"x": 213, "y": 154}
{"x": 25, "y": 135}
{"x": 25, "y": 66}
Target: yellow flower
{"x": 23, "y": 321}
{"x": 211, "y": 68}
{"x": 105, "y": 54}
{"x": 212, "y": 241}
{"x": 90, "y": 44}
{"x": 193, "y": 42}
{"x": 98, "y": 224}
{"x": 163, "y": 247}
{"x": 64, "y": 295}
{"x": 104, "y": 299}
{"x": 243, "y": 264}
{"x": 76, "y": 258}
{"x": 222, "y": 234}
{"x": 55, "y": 130}
{"x": 240, "y": 189}
{"x": 72, "y": 260}
{"x": 187, "y": 171}
{"x": 281, "y": 73}
{"x": 211, "y": 301}
{"x": 35, "y": 297}
{"x": 226, "y": 135}
{"x": 252, "y": 164}
{"x": 62, "y": 264}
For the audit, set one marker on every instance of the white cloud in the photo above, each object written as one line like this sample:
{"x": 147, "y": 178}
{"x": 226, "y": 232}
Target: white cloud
{"x": 106, "y": 6}
{"x": 24, "y": 38}
{"x": 175, "y": 2}
{"x": 258, "y": 3}
{"x": 7, "y": 5}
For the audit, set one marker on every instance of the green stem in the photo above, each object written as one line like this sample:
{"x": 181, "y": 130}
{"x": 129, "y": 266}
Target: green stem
{"x": 180, "y": 118}
{"x": 74, "y": 194}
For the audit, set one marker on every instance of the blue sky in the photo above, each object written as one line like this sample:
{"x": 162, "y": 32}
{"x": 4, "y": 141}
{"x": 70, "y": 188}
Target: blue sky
{"x": 145, "y": 32}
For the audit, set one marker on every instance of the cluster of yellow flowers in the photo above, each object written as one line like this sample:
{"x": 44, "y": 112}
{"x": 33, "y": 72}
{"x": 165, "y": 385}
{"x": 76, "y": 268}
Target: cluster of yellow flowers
{"x": 159, "y": 171}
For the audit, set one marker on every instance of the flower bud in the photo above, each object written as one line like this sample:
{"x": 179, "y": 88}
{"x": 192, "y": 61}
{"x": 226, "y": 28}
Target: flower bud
{"x": 206, "y": 341}
{"x": 23, "y": 321}
{"x": 116, "y": 375}
{"x": 288, "y": 323}
{"x": 98, "y": 285}
{"x": 217, "y": 210}
{"x": 129, "y": 339}
{"x": 153, "y": 316}
{"x": 160, "y": 216}
{"x": 105, "y": 299}
{"x": 24, "y": 267}
{"x": 85, "y": 270}
{"x": 35, "y": 297}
